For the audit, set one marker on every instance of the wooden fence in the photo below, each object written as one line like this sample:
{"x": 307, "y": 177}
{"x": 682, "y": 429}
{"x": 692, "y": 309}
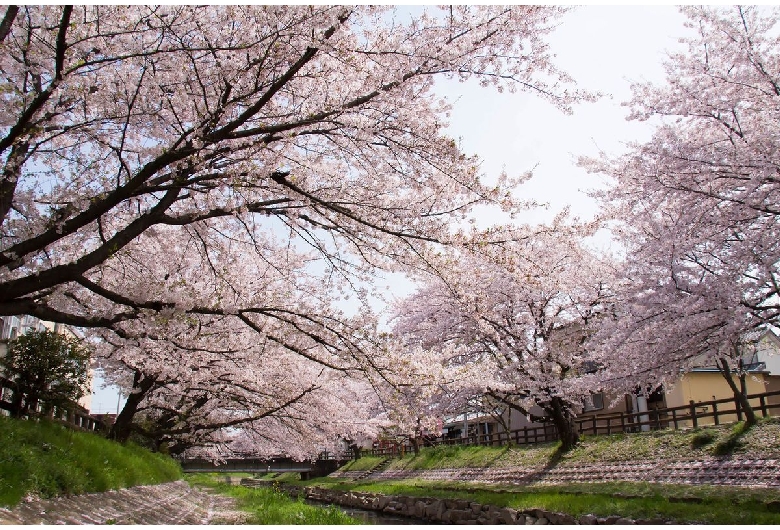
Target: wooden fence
{"x": 694, "y": 414}
{"x": 74, "y": 416}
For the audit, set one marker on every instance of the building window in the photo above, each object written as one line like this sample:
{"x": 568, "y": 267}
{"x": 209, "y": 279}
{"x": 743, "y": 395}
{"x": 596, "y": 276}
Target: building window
{"x": 9, "y": 327}
{"x": 593, "y": 402}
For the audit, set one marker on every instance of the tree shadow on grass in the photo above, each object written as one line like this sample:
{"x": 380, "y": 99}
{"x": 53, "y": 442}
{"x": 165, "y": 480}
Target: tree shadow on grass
{"x": 499, "y": 455}
{"x": 732, "y": 441}
{"x": 555, "y": 458}
{"x": 452, "y": 452}
{"x": 552, "y": 463}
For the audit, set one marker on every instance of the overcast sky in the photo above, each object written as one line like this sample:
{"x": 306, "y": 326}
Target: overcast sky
{"x": 604, "y": 49}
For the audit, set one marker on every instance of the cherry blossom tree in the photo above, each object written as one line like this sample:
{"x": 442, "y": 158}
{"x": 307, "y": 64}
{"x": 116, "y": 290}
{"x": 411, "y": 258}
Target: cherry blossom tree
{"x": 418, "y": 387}
{"x": 165, "y": 167}
{"x": 127, "y": 129}
{"x": 520, "y": 312}
{"x": 200, "y": 386}
{"x": 698, "y": 205}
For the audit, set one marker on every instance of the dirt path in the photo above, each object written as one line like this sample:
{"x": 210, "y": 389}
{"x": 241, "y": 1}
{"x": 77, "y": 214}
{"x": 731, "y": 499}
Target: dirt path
{"x": 163, "y": 504}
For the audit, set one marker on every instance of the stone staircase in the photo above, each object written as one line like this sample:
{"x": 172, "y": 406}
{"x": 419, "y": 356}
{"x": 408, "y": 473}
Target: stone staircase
{"x": 376, "y": 469}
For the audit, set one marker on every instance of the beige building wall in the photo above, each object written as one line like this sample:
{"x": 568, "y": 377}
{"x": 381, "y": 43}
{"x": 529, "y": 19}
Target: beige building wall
{"x": 773, "y": 385}
{"x": 709, "y": 386}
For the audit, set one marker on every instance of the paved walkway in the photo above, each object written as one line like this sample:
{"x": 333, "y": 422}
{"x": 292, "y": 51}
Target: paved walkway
{"x": 163, "y": 504}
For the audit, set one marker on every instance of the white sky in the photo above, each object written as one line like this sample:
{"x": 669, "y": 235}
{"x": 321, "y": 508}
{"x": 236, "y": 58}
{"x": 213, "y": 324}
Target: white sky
{"x": 604, "y": 49}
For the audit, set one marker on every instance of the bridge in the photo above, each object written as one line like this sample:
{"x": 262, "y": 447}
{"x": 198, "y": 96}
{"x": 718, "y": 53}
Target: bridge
{"x": 308, "y": 469}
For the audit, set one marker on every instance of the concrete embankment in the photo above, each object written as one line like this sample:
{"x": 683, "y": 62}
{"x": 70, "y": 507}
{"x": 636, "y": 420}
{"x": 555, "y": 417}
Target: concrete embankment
{"x": 725, "y": 471}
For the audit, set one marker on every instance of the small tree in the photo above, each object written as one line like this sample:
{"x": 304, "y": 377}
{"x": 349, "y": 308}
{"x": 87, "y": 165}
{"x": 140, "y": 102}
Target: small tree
{"x": 47, "y": 367}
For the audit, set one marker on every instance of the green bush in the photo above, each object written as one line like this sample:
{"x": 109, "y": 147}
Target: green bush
{"x": 700, "y": 439}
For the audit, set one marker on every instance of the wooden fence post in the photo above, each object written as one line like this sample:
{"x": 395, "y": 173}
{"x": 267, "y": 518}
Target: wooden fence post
{"x": 693, "y": 414}
{"x": 674, "y": 418}
{"x": 622, "y": 421}
{"x": 764, "y": 412}
{"x": 739, "y": 409}
{"x": 715, "y": 413}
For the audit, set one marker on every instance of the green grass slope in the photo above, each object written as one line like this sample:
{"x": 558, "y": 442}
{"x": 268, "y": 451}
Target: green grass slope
{"x": 47, "y": 459}
{"x": 363, "y": 464}
{"x": 762, "y": 441}
{"x": 270, "y": 505}
{"x": 639, "y": 500}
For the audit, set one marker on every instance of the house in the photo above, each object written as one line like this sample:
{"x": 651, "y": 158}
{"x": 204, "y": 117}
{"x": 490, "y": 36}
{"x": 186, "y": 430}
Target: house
{"x": 701, "y": 383}
{"x": 768, "y": 353}
{"x": 469, "y": 424}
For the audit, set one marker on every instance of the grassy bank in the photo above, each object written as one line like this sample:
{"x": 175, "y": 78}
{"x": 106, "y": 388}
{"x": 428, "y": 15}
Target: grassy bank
{"x": 47, "y": 459}
{"x": 682, "y": 503}
{"x": 269, "y": 505}
{"x": 362, "y": 464}
{"x": 762, "y": 441}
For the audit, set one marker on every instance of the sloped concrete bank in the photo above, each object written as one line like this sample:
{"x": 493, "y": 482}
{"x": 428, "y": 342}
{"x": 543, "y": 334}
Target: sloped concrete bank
{"x": 451, "y": 511}
{"x": 730, "y": 471}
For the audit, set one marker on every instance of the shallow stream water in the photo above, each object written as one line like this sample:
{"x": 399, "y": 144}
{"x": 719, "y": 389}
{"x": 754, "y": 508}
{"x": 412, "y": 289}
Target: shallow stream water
{"x": 371, "y": 516}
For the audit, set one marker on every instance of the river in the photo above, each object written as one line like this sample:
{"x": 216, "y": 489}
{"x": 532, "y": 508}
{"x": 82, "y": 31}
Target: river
{"x": 371, "y": 516}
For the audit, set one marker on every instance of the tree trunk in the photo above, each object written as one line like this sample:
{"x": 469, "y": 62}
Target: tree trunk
{"x": 740, "y": 394}
{"x": 16, "y": 403}
{"x": 415, "y": 444}
{"x": 564, "y": 422}
{"x": 30, "y": 407}
{"x": 122, "y": 427}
